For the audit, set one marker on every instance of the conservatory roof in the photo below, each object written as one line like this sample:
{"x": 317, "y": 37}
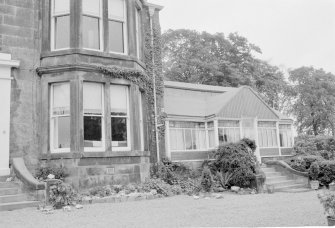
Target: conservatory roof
{"x": 196, "y": 100}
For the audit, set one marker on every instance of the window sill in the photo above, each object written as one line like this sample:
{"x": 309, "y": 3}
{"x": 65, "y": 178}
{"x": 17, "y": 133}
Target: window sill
{"x": 91, "y": 52}
{"x": 54, "y": 156}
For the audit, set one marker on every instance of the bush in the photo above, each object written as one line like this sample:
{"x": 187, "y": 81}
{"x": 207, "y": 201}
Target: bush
{"x": 159, "y": 185}
{"x": 61, "y": 194}
{"x": 250, "y": 143}
{"x": 237, "y": 160}
{"x": 43, "y": 172}
{"x": 101, "y": 191}
{"x": 206, "y": 180}
{"x": 315, "y": 145}
{"x": 303, "y": 163}
{"x": 327, "y": 199}
{"x": 314, "y": 171}
{"x": 327, "y": 172}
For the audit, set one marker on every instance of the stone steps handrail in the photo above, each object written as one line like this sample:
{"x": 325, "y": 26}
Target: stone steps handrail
{"x": 25, "y": 176}
{"x": 287, "y": 167}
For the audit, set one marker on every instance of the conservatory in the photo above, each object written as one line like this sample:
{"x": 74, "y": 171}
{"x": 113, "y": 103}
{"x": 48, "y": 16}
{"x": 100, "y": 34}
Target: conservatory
{"x": 202, "y": 117}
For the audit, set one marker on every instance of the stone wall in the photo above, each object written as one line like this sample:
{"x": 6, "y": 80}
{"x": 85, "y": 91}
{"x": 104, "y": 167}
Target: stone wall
{"x": 20, "y": 37}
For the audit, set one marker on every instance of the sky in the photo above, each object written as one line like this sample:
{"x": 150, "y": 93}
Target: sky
{"x": 290, "y": 33}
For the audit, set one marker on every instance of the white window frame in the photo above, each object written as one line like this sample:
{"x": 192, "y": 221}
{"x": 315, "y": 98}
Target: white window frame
{"x": 238, "y": 127}
{"x": 125, "y": 28}
{"x": 128, "y": 148}
{"x": 52, "y": 30}
{"x": 53, "y": 118}
{"x": 100, "y": 18}
{"x": 103, "y": 136}
{"x": 191, "y": 129}
{"x": 267, "y": 128}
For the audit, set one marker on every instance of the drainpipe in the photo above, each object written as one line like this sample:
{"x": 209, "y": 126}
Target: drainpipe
{"x": 151, "y": 12}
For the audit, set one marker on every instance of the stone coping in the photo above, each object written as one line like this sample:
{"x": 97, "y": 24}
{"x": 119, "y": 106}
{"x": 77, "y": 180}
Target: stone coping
{"x": 287, "y": 167}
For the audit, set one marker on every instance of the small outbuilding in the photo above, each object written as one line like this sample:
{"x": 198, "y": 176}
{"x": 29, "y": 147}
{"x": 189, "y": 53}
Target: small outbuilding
{"x": 202, "y": 117}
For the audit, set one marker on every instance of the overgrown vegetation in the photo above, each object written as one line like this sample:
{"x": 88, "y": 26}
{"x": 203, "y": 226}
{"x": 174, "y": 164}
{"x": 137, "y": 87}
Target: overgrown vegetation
{"x": 59, "y": 172}
{"x": 62, "y": 194}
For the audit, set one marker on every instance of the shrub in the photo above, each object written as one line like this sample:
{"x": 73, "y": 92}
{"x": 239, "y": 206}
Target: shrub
{"x": 62, "y": 194}
{"x": 315, "y": 145}
{"x": 206, "y": 180}
{"x": 314, "y": 171}
{"x": 327, "y": 199}
{"x": 159, "y": 185}
{"x": 250, "y": 143}
{"x": 237, "y": 159}
{"x": 101, "y": 191}
{"x": 303, "y": 163}
{"x": 43, "y": 172}
{"x": 327, "y": 172}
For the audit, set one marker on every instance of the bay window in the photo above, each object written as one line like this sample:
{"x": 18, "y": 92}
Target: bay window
{"x": 229, "y": 131}
{"x": 138, "y": 32}
{"x": 187, "y": 135}
{"x": 92, "y": 24}
{"x": 93, "y": 105}
{"x": 267, "y": 134}
{"x": 60, "y": 24}
{"x": 285, "y": 135}
{"x": 60, "y": 117}
{"x": 117, "y": 26}
{"x": 119, "y": 102}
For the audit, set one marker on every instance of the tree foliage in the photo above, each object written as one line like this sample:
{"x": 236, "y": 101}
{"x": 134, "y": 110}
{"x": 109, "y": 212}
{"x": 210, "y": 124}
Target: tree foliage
{"x": 213, "y": 59}
{"x": 313, "y": 100}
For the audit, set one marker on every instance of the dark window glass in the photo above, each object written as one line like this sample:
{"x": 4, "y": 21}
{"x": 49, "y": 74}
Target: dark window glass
{"x": 91, "y": 33}
{"x": 92, "y": 131}
{"x": 119, "y": 132}
{"x": 62, "y": 32}
{"x": 116, "y": 36}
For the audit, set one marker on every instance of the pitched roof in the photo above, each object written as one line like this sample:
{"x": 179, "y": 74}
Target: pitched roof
{"x": 196, "y": 100}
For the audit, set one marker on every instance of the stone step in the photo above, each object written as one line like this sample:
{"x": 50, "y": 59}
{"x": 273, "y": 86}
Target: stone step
{"x": 8, "y": 191}
{"x": 12, "y": 198}
{"x": 9, "y": 184}
{"x": 4, "y": 178}
{"x": 266, "y": 170}
{"x": 272, "y": 174}
{"x": 297, "y": 190}
{"x": 286, "y": 187}
{"x": 17, "y": 205}
{"x": 274, "y": 179}
{"x": 282, "y": 183}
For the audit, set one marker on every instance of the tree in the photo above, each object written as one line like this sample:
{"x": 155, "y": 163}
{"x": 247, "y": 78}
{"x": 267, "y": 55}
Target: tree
{"x": 213, "y": 59}
{"x": 313, "y": 100}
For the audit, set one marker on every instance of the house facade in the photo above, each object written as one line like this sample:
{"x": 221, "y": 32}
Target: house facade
{"x": 81, "y": 87}
{"x": 202, "y": 117}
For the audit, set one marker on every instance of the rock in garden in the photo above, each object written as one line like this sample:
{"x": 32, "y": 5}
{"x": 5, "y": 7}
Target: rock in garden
{"x": 235, "y": 188}
{"x": 9, "y": 179}
{"x": 219, "y": 196}
{"x": 67, "y": 208}
{"x": 79, "y": 206}
{"x": 153, "y": 192}
{"x": 51, "y": 176}
{"x": 196, "y": 197}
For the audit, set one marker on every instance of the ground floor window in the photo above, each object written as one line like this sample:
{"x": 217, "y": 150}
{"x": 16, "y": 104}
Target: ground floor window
{"x": 60, "y": 117}
{"x": 267, "y": 134}
{"x": 285, "y": 135}
{"x": 100, "y": 129}
{"x": 211, "y": 134}
{"x": 229, "y": 131}
{"x": 187, "y": 135}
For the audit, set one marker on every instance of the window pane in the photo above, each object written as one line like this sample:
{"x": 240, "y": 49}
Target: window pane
{"x": 116, "y": 9}
{"x": 186, "y": 124}
{"x": 119, "y": 100}
{"x": 210, "y": 124}
{"x": 91, "y": 7}
{"x": 61, "y": 99}
{"x": 92, "y": 131}
{"x": 266, "y": 124}
{"x": 199, "y": 139}
{"x": 91, "y": 32}
{"x": 116, "y": 36}
{"x": 119, "y": 132}
{"x": 61, "y": 6}
{"x": 211, "y": 138}
{"x": 176, "y": 139}
{"x": 188, "y": 139}
{"x": 229, "y": 123}
{"x": 62, "y": 32}
{"x": 61, "y": 135}
{"x": 229, "y": 135}
{"x": 92, "y": 98}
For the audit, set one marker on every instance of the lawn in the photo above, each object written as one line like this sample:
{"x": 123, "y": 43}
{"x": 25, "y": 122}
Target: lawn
{"x": 278, "y": 209}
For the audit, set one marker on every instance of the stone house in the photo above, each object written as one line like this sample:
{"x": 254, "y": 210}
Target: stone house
{"x": 201, "y": 117}
{"x": 81, "y": 86}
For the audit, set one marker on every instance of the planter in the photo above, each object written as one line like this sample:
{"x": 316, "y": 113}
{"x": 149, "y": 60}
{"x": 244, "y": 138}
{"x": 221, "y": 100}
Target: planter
{"x": 332, "y": 187}
{"x": 314, "y": 184}
{"x": 270, "y": 189}
{"x": 331, "y": 221}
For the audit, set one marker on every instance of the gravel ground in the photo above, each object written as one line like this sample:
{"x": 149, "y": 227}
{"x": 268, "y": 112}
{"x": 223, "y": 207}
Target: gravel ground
{"x": 278, "y": 209}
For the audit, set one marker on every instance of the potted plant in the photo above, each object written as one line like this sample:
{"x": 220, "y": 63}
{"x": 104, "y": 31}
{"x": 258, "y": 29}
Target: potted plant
{"x": 327, "y": 200}
{"x": 313, "y": 173}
